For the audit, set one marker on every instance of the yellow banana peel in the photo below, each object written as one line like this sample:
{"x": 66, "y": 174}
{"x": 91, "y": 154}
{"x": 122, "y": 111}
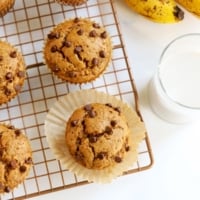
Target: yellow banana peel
{"x": 191, "y": 5}
{"x": 161, "y": 11}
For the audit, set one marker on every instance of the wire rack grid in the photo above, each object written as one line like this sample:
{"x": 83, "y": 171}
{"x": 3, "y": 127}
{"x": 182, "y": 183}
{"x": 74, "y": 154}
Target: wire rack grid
{"x": 26, "y": 26}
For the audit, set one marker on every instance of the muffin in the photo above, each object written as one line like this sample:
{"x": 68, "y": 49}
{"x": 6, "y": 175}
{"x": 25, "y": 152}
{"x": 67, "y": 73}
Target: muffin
{"x": 94, "y": 135}
{"x": 78, "y": 50}
{"x": 12, "y": 73}
{"x": 5, "y": 6}
{"x": 15, "y": 158}
{"x": 71, "y": 2}
{"x": 98, "y": 135}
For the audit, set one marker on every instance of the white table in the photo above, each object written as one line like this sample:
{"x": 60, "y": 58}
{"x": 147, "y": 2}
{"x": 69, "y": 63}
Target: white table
{"x": 176, "y": 172}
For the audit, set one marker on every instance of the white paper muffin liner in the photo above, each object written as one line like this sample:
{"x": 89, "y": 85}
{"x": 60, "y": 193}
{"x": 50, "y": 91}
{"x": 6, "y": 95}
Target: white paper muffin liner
{"x": 55, "y": 126}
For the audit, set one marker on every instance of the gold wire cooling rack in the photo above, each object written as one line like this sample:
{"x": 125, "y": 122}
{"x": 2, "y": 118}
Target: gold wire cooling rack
{"x": 26, "y": 26}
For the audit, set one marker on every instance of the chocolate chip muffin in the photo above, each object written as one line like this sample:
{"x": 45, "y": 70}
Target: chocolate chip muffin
{"x": 98, "y": 135}
{"x": 15, "y": 157}
{"x": 5, "y": 6}
{"x": 12, "y": 73}
{"x": 99, "y": 138}
{"x": 78, "y": 50}
{"x": 71, "y": 2}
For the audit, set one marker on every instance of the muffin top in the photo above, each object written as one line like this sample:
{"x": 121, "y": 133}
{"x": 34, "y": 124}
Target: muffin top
{"x": 98, "y": 136}
{"x": 5, "y": 6}
{"x": 71, "y": 2}
{"x": 15, "y": 157}
{"x": 78, "y": 50}
{"x": 12, "y": 73}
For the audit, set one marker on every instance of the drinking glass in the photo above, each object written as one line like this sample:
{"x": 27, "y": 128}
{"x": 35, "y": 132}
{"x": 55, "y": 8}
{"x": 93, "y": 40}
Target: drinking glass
{"x": 174, "y": 91}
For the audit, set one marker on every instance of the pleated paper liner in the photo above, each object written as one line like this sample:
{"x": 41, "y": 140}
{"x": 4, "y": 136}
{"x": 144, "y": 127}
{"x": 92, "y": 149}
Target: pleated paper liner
{"x": 55, "y": 125}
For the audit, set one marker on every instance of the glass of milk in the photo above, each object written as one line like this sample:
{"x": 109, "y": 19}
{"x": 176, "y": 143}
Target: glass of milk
{"x": 174, "y": 91}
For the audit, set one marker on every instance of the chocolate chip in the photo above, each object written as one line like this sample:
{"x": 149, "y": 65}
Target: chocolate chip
{"x": 22, "y": 168}
{"x": 88, "y": 107}
{"x": 108, "y": 130}
{"x": 91, "y": 113}
{"x": 74, "y": 123}
{"x": 79, "y": 156}
{"x": 7, "y": 92}
{"x": 9, "y": 76}
{"x": 92, "y": 139}
{"x": 80, "y": 32}
{"x": 54, "y": 49}
{"x": 83, "y": 124}
{"x": 101, "y": 155}
{"x": 11, "y": 127}
{"x": 95, "y": 25}
{"x": 102, "y": 54}
{"x": 7, "y": 189}
{"x": 55, "y": 68}
{"x": 95, "y": 61}
{"x": 53, "y": 35}
{"x": 68, "y": 60}
{"x": 13, "y": 54}
{"x": 76, "y": 20}
{"x": 72, "y": 74}
{"x": 17, "y": 87}
{"x": 67, "y": 44}
{"x": 93, "y": 33}
{"x": 104, "y": 35}
{"x": 113, "y": 123}
{"x": 127, "y": 148}
{"x": 13, "y": 164}
{"x": 78, "y": 141}
{"x": 78, "y": 49}
{"x": 1, "y": 58}
{"x": 109, "y": 105}
{"x": 21, "y": 74}
{"x": 118, "y": 109}
{"x": 118, "y": 159}
{"x": 1, "y": 152}
{"x": 17, "y": 132}
{"x": 29, "y": 160}
{"x": 86, "y": 61}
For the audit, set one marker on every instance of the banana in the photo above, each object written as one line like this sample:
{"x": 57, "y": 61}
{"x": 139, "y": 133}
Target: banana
{"x": 162, "y": 11}
{"x": 191, "y": 5}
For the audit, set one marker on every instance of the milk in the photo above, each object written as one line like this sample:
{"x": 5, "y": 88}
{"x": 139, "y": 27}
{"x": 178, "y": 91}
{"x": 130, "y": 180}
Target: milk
{"x": 175, "y": 89}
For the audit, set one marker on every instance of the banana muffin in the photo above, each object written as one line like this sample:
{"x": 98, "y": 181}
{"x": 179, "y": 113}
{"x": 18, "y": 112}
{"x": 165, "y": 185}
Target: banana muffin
{"x": 15, "y": 158}
{"x": 98, "y": 136}
{"x": 94, "y": 135}
{"x": 71, "y": 2}
{"x": 12, "y": 73}
{"x": 5, "y": 6}
{"x": 78, "y": 50}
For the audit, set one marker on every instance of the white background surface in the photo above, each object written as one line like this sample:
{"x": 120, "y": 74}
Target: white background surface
{"x": 176, "y": 171}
